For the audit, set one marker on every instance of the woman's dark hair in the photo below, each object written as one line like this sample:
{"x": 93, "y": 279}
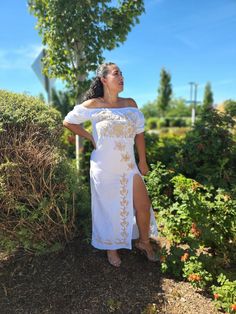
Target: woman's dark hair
{"x": 96, "y": 88}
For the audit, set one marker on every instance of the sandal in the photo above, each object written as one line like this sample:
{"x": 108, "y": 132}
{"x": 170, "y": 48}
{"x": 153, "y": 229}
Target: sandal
{"x": 113, "y": 261}
{"x": 153, "y": 257}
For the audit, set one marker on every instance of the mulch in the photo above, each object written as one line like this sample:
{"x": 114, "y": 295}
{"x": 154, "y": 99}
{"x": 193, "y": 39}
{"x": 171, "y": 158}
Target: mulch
{"x": 80, "y": 280}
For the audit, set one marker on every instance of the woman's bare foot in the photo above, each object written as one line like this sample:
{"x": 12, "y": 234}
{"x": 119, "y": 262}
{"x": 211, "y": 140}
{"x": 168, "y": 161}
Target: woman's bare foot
{"x": 113, "y": 258}
{"x": 145, "y": 247}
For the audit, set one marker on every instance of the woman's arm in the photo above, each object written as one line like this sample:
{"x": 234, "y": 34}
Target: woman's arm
{"x": 141, "y": 148}
{"x": 79, "y": 130}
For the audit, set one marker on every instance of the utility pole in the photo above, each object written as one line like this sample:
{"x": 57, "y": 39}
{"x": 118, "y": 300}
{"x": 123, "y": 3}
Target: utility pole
{"x": 193, "y": 102}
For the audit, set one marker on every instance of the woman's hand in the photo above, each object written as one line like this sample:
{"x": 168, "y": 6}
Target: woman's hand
{"x": 92, "y": 140}
{"x": 79, "y": 130}
{"x": 143, "y": 167}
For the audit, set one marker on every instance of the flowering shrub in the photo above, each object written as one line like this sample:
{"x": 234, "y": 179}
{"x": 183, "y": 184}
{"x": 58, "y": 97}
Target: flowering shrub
{"x": 225, "y": 294}
{"x": 194, "y": 272}
{"x": 171, "y": 261}
{"x": 163, "y": 147}
{"x": 208, "y": 152}
{"x": 188, "y": 211}
{"x": 159, "y": 186}
{"x": 198, "y": 218}
{"x": 196, "y": 205}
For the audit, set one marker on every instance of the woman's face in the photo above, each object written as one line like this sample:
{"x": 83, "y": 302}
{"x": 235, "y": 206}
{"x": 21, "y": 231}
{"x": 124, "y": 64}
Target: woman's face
{"x": 114, "y": 80}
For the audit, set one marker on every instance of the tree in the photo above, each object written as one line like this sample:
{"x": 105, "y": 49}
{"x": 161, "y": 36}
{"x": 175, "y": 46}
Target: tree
{"x": 149, "y": 110}
{"x": 76, "y": 32}
{"x": 178, "y": 108}
{"x": 230, "y": 107}
{"x": 208, "y": 97}
{"x": 62, "y": 101}
{"x": 164, "y": 92}
{"x": 41, "y": 97}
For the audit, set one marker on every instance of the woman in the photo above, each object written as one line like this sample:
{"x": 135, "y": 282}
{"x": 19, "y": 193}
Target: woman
{"x": 121, "y": 208}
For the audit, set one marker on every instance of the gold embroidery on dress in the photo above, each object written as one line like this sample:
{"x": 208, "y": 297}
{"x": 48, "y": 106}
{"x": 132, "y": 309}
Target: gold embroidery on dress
{"x": 123, "y": 212}
{"x": 125, "y": 157}
{"x": 123, "y": 191}
{"x": 108, "y": 242}
{"x": 116, "y": 125}
{"x": 119, "y": 145}
{"x": 117, "y": 129}
{"x": 130, "y": 165}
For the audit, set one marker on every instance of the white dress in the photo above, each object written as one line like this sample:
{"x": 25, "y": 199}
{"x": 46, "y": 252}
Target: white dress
{"x": 112, "y": 167}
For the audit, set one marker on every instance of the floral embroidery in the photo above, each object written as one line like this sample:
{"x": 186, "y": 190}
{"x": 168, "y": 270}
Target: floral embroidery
{"x": 119, "y": 146}
{"x": 113, "y": 125}
{"x": 104, "y": 242}
{"x": 125, "y": 157}
{"x": 130, "y": 165}
{"x": 117, "y": 129}
{"x": 123, "y": 212}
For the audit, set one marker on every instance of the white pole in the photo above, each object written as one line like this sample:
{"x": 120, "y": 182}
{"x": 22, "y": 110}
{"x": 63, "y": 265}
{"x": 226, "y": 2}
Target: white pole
{"x": 194, "y": 104}
{"x": 193, "y": 115}
{"x": 77, "y": 151}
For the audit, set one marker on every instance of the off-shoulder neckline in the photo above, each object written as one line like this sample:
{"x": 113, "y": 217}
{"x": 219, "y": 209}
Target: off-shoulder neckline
{"x": 110, "y": 107}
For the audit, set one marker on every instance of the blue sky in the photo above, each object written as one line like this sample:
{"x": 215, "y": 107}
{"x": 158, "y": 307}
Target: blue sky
{"x": 193, "y": 39}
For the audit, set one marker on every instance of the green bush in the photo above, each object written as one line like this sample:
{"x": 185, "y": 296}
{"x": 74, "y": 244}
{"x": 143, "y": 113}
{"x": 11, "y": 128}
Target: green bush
{"x": 152, "y": 123}
{"x": 200, "y": 224}
{"x": 208, "y": 153}
{"x": 68, "y": 143}
{"x": 177, "y": 122}
{"x": 190, "y": 212}
{"x": 159, "y": 187}
{"x": 162, "y": 122}
{"x": 162, "y": 148}
{"x": 38, "y": 187}
{"x": 168, "y": 148}
{"x": 224, "y": 294}
{"x": 230, "y": 107}
{"x": 188, "y": 121}
{"x": 171, "y": 261}
{"x": 195, "y": 273}
{"x": 151, "y": 141}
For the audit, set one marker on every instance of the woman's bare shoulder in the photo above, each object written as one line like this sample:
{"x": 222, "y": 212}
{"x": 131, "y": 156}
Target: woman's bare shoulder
{"x": 131, "y": 102}
{"x": 90, "y": 103}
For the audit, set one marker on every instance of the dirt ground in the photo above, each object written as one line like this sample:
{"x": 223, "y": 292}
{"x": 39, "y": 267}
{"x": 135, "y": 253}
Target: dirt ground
{"x": 80, "y": 280}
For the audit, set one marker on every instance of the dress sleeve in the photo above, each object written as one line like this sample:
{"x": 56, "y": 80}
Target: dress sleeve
{"x": 78, "y": 115}
{"x": 140, "y": 122}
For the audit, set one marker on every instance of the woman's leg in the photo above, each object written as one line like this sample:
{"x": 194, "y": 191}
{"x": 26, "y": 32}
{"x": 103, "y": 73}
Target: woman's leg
{"x": 142, "y": 205}
{"x": 113, "y": 258}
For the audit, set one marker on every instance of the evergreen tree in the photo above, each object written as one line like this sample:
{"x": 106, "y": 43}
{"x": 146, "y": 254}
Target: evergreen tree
{"x": 164, "y": 92}
{"x": 208, "y": 97}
